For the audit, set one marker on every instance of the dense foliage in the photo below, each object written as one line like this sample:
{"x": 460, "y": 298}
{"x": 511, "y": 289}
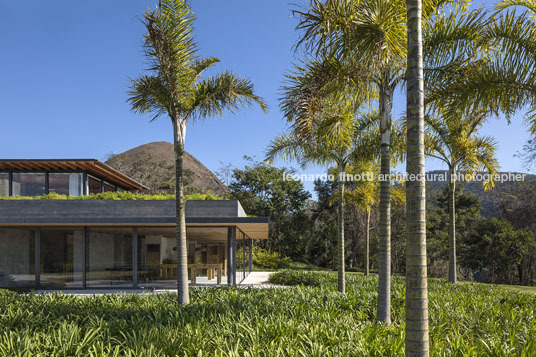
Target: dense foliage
{"x": 263, "y": 191}
{"x": 467, "y": 319}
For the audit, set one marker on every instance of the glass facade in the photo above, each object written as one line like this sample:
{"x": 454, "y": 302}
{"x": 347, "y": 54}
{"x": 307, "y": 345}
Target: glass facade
{"x": 29, "y": 183}
{"x": 109, "y": 257}
{"x": 157, "y": 257}
{"x": 104, "y": 257}
{"x": 93, "y": 184}
{"x": 107, "y": 187}
{"x": 62, "y": 258}
{"x": 17, "y": 258}
{"x": 4, "y": 184}
{"x": 63, "y": 183}
{"x": 70, "y": 184}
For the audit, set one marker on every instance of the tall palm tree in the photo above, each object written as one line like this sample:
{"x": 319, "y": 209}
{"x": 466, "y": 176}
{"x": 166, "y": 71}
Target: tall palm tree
{"x": 368, "y": 37}
{"x": 174, "y": 87}
{"x": 502, "y": 78}
{"x": 452, "y": 137}
{"x": 365, "y": 195}
{"x": 331, "y": 138}
{"x": 417, "y": 340}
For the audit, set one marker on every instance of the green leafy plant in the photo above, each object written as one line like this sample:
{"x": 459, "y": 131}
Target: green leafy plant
{"x": 269, "y": 260}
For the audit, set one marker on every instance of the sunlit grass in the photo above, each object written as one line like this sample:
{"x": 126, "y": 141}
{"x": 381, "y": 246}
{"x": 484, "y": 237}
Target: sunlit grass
{"x": 467, "y": 319}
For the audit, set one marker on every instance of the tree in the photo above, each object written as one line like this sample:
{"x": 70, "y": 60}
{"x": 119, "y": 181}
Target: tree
{"x": 417, "y": 340}
{"x": 331, "y": 138}
{"x": 264, "y": 191}
{"x": 496, "y": 250}
{"x": 175, "y": 88}
{"x": 501, "y": 77}
{"x": 366, "y": 42}
{"x": 452, "y": 137}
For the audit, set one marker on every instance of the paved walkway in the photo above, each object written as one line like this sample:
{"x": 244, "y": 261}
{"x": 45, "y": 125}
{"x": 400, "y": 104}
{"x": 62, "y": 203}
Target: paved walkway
{"x": 256, "y": 279}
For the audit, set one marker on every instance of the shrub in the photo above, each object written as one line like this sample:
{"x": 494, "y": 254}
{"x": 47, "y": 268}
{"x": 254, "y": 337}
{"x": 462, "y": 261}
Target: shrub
{"x": 300, "y": 277}
{"x": 269, "y": 260}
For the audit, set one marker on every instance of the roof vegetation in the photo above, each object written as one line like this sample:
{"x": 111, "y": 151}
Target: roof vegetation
{"x": 119, "y": 196}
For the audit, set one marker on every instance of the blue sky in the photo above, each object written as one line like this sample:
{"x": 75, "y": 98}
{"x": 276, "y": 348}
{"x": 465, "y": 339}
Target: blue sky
{"x": 65, "y": 66}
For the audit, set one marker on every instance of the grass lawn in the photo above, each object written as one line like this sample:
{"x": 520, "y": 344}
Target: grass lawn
{"x": 520, "y": 288}
{"x": 466, "y": 319}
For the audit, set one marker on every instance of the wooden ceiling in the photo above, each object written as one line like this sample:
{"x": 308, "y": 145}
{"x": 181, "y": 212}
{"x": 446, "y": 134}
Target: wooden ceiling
{"x": 91, "y": 166}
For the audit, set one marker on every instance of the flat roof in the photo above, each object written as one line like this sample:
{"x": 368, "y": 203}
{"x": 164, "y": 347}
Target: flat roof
{"x": 92, "y": 166}
{"x": 96, "y": 213}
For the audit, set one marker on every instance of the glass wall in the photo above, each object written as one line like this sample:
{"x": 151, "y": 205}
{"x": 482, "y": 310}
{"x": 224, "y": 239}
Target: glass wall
{"x": 108, "y": 187}
{"x": 94, "y": 184}
{"x": 17, "y": 258}
{"x": 242, "y": 256}
{"x": 70, "y": 184}
{"x": 109, "y": 257}
{"x": 62, "y": 258}
{"x": 29, "y": 184}
{"x": 4, "y": 184}
{"x": 157, "y": 257}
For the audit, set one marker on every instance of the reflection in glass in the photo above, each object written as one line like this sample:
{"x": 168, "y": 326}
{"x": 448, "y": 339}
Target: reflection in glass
{"x": 110, "y": 257}
{"x": 17, "y": 258}
{"x": 65, "y": 183}
{"x": 108, "y": 187}
{"x": 157, "y": 257}
{"x": 4, "y": 184}
{"x": 62, "y": 258}
{"x": 28, "y": 184}
{"x": 94, "y": 184}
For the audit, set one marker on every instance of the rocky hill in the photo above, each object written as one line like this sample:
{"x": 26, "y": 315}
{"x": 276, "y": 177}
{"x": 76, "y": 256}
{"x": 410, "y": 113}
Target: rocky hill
{"x": 153, "y": 165}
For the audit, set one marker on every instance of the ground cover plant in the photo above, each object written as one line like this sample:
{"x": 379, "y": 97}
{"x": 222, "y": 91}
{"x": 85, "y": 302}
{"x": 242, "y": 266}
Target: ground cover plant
{"x": 465, "y": 320}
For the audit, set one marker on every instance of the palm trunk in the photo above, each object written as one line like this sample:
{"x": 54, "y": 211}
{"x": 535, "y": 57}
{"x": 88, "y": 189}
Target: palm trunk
{"x": 384, "y": 259}
{"x": 417, "y": 340}
{"x": 367, "y": 245}
{"x": 182, "y": 252}
{"x": 342, "y": 179}
{"x": 452, "y": 226}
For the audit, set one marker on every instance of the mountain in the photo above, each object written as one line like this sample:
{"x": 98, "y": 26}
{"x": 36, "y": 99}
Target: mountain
{"x": 490, "y": 200}
{"x": 153, "y": 165}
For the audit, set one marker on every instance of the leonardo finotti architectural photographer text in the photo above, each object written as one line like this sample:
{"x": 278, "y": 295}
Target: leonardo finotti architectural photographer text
{"x": 402, "y": 177}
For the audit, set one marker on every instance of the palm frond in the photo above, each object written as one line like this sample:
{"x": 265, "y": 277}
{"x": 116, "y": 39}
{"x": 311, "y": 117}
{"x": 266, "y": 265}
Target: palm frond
{"x": 149, "y": 94}
{"x": 224, "y": 92}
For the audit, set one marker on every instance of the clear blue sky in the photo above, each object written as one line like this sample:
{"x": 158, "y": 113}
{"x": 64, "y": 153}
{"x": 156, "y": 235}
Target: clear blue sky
{"x": 65, "y": 66}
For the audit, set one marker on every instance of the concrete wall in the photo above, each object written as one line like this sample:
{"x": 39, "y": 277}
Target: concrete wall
{"x": 80, "y": 211}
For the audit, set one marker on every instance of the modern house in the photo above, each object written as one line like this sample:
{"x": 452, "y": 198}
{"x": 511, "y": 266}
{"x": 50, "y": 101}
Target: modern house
{"x": 77, "y": 244}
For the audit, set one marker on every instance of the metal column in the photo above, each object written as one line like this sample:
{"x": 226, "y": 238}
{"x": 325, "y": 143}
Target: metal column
{"x": 250, "y": 255}
{"x": 231, "y": 256}
{"x": 85, "y": 258}
{"x": 37, "y": 265}
{"x": 135, "y": 258}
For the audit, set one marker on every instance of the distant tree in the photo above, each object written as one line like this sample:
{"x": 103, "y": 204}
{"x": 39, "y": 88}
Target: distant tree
{"x": 495, "y": 248}
{"x": 174, "y": 88}
{"x": 264, "y": 191}
{"x": 437, "y": 225}
{"x": 452, "y": 137}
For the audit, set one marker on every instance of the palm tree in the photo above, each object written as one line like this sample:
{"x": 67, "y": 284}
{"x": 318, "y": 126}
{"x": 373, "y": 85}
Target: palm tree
{"x": 417, "y": 340}
{"x": 368, "y": 38}
{"x": 452, "y": 137}
{"x": 502, "y": 77}
{"x": 331, "y": 138}
{"x": 364, "y": 194}
{"x": 175, "y": 88}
